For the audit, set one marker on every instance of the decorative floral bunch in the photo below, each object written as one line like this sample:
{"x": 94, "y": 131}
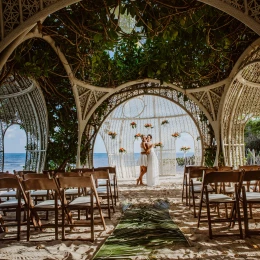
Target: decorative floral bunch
{"x": 137, "y": 135}
{"x": 112, "y": 134}
{"x": 185, "y": 148}
{"x": 164, "y": 122}
{"x": 158, "y": 144}
{"x": 133, "y": 124}
{"x": 148, "y": 125}
{"x": 176, "y": 135}
{"x": 122, "y": 150}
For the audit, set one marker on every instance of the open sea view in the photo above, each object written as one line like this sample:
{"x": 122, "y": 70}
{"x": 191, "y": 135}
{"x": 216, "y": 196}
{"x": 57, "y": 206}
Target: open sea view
{"x": 15, "y": 161}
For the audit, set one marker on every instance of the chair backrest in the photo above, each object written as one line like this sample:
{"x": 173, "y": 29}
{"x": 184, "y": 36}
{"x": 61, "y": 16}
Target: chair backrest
{"x": 251, "y": 175}
{"x": 34, "y": 176}
{"x": 196, "y": 172}
{"x": 222, "y": 176}
{"x": 111, "y": 169}
{"x": 82, "y": 170}
{"x": 39, "y": 184}
{"x": 101, "y": 175}
{"x": 67, "y": 174}
{"x": 9, "y": 182}
{"x": 4, "y": 175}
{"x": 249, "y": 167}
{"x": 224, "y": 168}
{"x": 76, "y": 181}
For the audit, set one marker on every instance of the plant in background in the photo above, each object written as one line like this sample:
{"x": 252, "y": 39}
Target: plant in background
{"x": 148, "y": 126}
{"x": 137, "y": 136}
{"x": 133, "y": 124}
{"x": 176, "y": 135}
{"x": 165, "y": 122}
{"x": 112, "y": 134}
{"x": 122, "y": 150}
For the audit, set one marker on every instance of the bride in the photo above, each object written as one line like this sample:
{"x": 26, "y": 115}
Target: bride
{"x": 152, "y": 175}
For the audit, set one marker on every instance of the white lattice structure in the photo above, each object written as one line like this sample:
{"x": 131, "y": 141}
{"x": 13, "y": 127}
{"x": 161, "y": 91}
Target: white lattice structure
{"x": 153, "y": 110}
{"x": 227, "y": 105}
{"x": 22, "y": 102}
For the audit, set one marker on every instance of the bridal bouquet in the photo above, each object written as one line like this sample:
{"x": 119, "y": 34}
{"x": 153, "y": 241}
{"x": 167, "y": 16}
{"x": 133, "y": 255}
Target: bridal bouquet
{"x": 122, "y": 150}
{"x": 133, "y": 124}
{"x": 112, "y": 134}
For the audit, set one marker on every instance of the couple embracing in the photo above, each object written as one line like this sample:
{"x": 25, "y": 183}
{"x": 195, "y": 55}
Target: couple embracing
{"x": 148, "y": 162}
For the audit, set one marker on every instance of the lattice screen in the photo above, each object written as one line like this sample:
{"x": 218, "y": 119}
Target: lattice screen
{"x": 147, "y": 110}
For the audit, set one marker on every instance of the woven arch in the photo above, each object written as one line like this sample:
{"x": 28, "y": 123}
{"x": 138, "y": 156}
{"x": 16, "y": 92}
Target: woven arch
{"x": 22, "y": 102}
{"x": 148, "y": 88}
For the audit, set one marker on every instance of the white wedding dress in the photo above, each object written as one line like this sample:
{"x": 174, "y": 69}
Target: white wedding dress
{"x": 152, "y": 175}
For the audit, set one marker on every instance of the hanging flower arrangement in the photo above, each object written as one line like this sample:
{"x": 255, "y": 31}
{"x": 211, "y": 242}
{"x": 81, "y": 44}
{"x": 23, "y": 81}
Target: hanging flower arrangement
{"x": 137, "y": 135}
{"x": 122, "y": 150}
{"x": 112, "y": 134}
{"x": 133, "y": 124}
{"x": 165, "y": 122}
{"x": 176, "y": 135}
{"x": 158, "y": 144}
{"x": 185, "y": 148}
{"x": 148, "y": 126}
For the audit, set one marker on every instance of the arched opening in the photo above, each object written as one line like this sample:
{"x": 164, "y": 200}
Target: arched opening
{"x": 100, "y": 152}
{"x": 252, "y": 141}
{"x": 14, "y": 148}
{"x": 147, "y": 114}
{"x": 185, "y": 150}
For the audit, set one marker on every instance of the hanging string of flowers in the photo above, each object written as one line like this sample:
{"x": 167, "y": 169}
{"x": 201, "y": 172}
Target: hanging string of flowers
{"x": 185, "y": 148}
{"x": 137, "y": 135}
{"x": 122, "y": 150}
{"x": 112, "y": 134}
{"x": 165, "y": 122}
{"x": 148, "y": 126}
{"x": 133, "y": 124}
{"x": 176, "y": 135}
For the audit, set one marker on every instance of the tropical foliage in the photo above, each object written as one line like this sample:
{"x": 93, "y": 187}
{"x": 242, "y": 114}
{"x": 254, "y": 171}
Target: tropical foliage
{"x": 110, "y": 42}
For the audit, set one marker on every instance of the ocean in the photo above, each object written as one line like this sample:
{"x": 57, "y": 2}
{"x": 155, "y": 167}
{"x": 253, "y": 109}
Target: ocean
{"x": 15, "y": 161}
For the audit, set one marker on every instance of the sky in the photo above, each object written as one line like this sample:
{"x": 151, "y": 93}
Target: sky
{"x": 15, "y": 141}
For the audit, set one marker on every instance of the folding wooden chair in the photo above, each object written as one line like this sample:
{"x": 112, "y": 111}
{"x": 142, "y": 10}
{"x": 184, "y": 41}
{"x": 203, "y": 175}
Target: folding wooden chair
{"x": 15, "y": 205}
{"x": 113, "y": 181}
{"x": 186, "y": 183}
{"x": 104, "y": 192}
{"x": 42, "y": 183}
{"x": 87, "y": 202}
{"x": 195, "y": 175}
{"x": 215, "y": 199}
{"x": 249, "y": 200}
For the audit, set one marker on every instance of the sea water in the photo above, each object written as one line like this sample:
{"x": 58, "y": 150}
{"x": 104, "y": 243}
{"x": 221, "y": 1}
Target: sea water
{"x": 16, "y": 161}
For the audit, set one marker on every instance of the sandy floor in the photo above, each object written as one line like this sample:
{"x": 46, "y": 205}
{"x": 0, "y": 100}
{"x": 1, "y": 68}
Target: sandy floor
{"x": 170, "y": 188}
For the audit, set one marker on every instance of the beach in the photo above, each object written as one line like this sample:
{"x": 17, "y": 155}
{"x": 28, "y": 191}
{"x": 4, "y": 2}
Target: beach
{"x": 201, "y": 247}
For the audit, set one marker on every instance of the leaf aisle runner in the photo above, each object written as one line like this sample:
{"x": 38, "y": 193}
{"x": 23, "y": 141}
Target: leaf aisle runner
{"x": 142, "y": 231}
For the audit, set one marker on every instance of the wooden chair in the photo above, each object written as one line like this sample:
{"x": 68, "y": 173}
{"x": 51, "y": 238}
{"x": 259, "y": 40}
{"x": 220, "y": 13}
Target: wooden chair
{"x": 17, "y": 205}
{"x": 249, "y": 199}
{"x": 87, "y": 202}
{"x": 195, "y": 185}
{"x": 104, "y": 192}
{"x": 213, "y": 199}
{"x": 6, "y": 193}
{"x": 113, "y": 181}
{"x": 42, "y": 183}
{"x": 253, "y": 185}
{"x": 186, "y": 183}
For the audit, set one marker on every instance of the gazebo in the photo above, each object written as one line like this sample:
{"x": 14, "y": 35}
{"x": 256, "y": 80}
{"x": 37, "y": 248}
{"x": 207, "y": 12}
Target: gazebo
{"x": 219, "y": 106}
